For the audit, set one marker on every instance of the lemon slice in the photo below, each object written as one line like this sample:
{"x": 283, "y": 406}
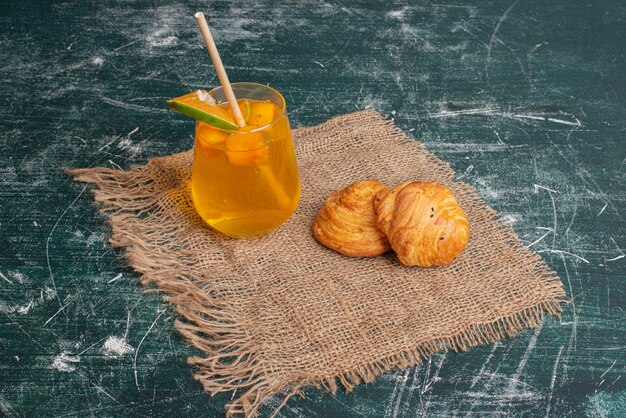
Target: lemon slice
{"x": 201, "y": 106}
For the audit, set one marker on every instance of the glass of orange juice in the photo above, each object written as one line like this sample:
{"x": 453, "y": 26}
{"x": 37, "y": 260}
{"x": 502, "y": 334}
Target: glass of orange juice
{"x": 245, "y": 182}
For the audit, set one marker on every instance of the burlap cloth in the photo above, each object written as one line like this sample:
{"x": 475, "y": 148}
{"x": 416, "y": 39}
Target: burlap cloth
{"x": 275, "y": 314}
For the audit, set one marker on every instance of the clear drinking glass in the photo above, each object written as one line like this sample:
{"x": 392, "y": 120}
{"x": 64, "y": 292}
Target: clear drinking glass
{"x": 245, "y": 182}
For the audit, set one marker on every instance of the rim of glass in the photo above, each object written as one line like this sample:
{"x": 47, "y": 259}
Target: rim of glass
{"x": 263, "y": 127}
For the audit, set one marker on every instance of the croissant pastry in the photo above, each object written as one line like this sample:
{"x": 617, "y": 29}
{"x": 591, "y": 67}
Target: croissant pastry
{"x": 423, "y": 222}
{"x": 347, "y": 221}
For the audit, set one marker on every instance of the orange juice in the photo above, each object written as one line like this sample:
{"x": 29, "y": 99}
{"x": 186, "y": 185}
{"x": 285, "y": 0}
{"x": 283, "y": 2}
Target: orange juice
{"x": 245, "y": 182}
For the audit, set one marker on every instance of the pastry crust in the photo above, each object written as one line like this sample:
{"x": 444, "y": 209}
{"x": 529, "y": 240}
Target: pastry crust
{"x": 347, "y": 221}
{"x": 423, "y": 222}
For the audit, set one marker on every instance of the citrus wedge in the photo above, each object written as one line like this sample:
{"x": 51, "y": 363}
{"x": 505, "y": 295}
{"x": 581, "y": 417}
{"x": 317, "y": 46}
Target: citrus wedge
{"x": 246, "y": 109}
{"x": 200, "y": 106}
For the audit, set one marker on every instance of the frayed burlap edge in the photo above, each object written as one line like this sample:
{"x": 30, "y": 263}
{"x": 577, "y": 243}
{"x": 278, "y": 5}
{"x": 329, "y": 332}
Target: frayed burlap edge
{"x": 206, "y": 323}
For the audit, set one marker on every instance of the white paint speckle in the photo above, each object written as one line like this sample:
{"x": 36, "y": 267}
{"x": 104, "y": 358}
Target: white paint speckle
{"x": 468, "y": 170}
{"x": 23, "y": 310}
{"x": 484, "y": 188}
{"x": 6, "y": 409}
{"x": 95, "y": 238}
{"x": 19, "y": 309}
{"x": 162, "y": 33}
{"x": 370, "y": 102}
{"x": 509, "y": 219}
{"x": 235, "y": 28}
{"x": 97, "y": 61}
{"x": 17, "y": 276}
{"x": 3, "y": 277}
{"x": 127, "y": 145}
{"x": 50, "y": 293}
{"x": 65, "y": 363}
{"x": 116, "y": 346}
{"x": 417, "y": 34}
{"x": 398, "y": 14}
{"x": 158, "y": 41}
{"x": 116, "y": 278}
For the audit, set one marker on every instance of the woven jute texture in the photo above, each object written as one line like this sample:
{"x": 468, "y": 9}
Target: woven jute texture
{"x": 276, "y": 314}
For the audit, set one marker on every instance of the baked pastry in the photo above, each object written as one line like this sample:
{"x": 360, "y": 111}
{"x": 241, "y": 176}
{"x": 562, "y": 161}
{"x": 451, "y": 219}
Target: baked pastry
{"x": 347, "y": 221}
{"x": 423, "y": 222}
